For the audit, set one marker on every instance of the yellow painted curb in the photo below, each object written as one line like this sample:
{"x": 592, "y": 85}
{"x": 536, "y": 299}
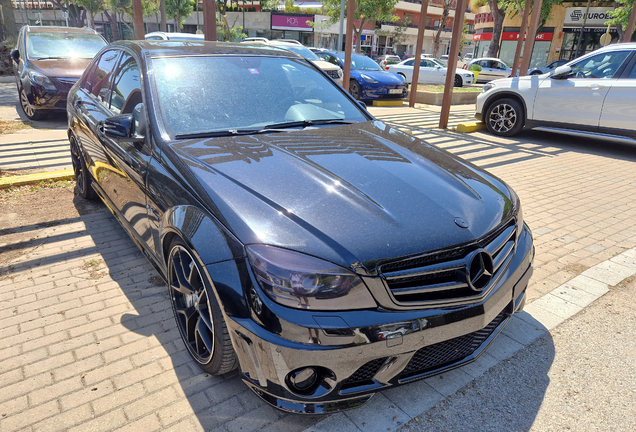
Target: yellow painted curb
{"x": 386, "y": 103}
{"x": 7, "y": 182}
{"x": 470, "y": 127}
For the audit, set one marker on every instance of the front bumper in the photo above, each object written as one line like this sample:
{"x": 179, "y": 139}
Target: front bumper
{"x": 379, "y": 350}
{"x": 381, "y": 91}
{"x": 41, "y": 98}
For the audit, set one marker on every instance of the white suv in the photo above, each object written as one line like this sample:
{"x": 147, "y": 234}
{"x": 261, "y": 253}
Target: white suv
{"x": 593, "y": 95}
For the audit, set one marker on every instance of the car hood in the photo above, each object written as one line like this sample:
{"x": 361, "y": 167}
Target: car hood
{"x": 348, "y": 194}
{"x": 326, "y": 66}
{"x": 67, "y": 67}
{"x": 380, "y": 76}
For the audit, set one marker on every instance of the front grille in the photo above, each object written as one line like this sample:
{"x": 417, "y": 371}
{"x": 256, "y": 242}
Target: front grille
{"x": 333, "y": 74}
{"x": 448, "y": 352}
{"x": 443, "y": 275}
{"x": 65, "y": 84}
{"x": 365, "y": 373}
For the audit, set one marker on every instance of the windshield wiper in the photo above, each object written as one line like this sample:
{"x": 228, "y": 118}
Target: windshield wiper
{"x": 228, "y": 132}
{"x": 305, "y": 123}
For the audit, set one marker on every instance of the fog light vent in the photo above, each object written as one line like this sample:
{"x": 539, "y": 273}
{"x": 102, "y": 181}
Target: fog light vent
{"x": 303, "y": 379}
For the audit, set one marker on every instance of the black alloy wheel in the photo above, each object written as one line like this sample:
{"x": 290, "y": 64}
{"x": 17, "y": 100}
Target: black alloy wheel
{"x": 354, "y": 89}
{"x": 82, "y": 178}
{"x": 458, "y": 81}
{"x": 505, "y": 117}
{"x": 27, "y": 108}
{"x": 197, "y": 313}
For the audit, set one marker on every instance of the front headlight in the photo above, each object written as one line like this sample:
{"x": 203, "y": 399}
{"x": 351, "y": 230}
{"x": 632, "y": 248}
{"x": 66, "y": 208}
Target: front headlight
{"x": 340, "y": 74}
{"x": 368, "y": 79}
{"x": 487, "y": 87}
{"x": 304, "y": 282}
{"x": 42, "y": 80}
{"x": 516, "y": 205}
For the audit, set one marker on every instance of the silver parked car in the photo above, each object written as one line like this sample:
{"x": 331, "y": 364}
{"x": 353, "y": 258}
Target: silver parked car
{"x": 491, "y": 69}
{"x": 591, "y": 96}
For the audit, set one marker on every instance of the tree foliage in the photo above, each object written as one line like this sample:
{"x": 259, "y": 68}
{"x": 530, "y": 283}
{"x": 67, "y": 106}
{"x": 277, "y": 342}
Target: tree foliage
{"x": 179, "y": 10}
{"x": 365, "y": 10}
{"x": 620, "y": 15}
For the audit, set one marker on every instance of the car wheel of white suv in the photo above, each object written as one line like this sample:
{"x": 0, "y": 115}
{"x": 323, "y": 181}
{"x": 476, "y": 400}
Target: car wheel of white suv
{"x": 505, "y": 117}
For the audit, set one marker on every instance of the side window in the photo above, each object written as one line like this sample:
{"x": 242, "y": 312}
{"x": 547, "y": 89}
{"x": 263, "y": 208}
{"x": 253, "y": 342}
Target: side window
{"x": 331, "y": 59}
{"x": 484, "y": 63}
{"x": 126, "y": 86}
{"x": 602, "y": 65}
{"x": 101, "y": 79}
{"x": 632, "y": 74}
{"x": 410, "y": 63}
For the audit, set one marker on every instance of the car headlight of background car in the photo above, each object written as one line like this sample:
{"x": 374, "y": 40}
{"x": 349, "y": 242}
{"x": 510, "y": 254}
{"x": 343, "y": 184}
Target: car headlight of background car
{"x": 41, "y": 80}
{"x": 305, "y": 282}
{"x": 368, "y": 79}
{"x": 340, "y": 74}
{"x": 487, "y": 87}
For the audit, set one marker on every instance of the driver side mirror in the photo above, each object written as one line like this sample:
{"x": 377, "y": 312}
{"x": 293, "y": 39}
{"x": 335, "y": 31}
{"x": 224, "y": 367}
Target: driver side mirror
{"x": 121, "y": 128}
{"x": 15, "y": 55}
{"x": 562, "y": 72}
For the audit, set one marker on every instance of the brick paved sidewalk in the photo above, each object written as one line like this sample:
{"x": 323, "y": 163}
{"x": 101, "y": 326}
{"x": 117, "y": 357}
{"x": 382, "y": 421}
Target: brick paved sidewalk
{"x": 87, "y": 336}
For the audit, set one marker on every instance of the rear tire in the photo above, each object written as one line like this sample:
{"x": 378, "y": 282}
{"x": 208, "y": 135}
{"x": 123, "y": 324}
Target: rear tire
{"x": 197, "y": 312}
{"x": 505, "y": 117}
{"x": 82, "y": 177}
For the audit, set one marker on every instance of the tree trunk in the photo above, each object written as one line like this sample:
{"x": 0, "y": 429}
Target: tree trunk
{"x": 112, "y": 19}
{"x": 498, "y": 16}
{"x": 442, "y": 25}
{"x": 9, "y": 20}
{"x": 162, "y": 9}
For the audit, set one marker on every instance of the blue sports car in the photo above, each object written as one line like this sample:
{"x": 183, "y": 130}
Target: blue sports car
{"x": 368, "y": 80}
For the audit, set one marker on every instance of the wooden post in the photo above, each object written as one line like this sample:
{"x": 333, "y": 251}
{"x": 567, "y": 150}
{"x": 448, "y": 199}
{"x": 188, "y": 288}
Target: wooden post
{"x": 522, "y": 36}
{"x": 138, "y": 20}
{"x": 530, "y": 37}
{"x": 351, "y": 4}
{"x": 418, "y": 53}
{"x": 629, "y": 31}
{"x": 456, "y": 40}
{"x": 209, "y": 20}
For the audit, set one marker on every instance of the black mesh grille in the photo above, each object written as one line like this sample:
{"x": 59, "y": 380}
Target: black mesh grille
{"x": 333, "y": 74}
{"x": 420, "y": 261}
{"x": 366, "y": 372}
{"x": 450, "y": 351}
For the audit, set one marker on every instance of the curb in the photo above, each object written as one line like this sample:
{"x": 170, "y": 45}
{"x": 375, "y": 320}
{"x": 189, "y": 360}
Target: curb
{"x": 7, "y": 182}
{"x": 536, "y": 319}
{"x": 470, "y": 127}
{"x": 388, "y": 103}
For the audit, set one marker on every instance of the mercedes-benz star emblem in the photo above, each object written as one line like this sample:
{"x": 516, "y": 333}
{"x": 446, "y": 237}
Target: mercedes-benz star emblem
{"x": 480, "y": 270}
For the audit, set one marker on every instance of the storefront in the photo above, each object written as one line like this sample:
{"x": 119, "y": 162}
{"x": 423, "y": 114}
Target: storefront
{"x": 293, "y": 26}
{"x": 589, "y": 28}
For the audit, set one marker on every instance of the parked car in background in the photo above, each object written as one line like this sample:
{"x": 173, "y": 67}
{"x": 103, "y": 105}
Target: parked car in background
{"x": 547, "y": 68}
{"x": 322, "y": 253}
{"x": 173, "y": 36}
{"x": 591, "y": 96}
{"x": 334, "y": 71}
{"x": 368, "y": 80}
{"x": 47, "y": 61}
{"x": 491, "y": 69}
{"x": 385, "y": 59}
{"x": 467, "y": 58}
{"x": 431, "y": 72}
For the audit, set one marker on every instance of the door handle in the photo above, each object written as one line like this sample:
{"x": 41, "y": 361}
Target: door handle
{"x": 595, "y": 86}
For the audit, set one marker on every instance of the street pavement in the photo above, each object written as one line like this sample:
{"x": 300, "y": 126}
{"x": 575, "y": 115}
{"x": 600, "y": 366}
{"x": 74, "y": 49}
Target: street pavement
{"x": 88, "y": 340}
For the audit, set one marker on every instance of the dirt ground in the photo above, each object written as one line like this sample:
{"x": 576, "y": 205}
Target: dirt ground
{"x": 25, "y": 209}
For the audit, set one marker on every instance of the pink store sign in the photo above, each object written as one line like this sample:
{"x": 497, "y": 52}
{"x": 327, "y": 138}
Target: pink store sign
{"x": 292, "y": 22}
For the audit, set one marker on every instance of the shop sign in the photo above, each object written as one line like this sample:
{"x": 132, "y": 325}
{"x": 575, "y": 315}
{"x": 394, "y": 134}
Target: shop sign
{"x": 515, "y": 36}
{"x": 482, "y": 36}
{"x": 595, "y": 16}
{"x": 292, "y": 22}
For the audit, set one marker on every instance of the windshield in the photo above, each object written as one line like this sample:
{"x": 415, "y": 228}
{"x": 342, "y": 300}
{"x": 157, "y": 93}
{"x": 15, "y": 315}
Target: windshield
{"x": 359, "y": 62}
{"x": 235, "y": 93}
{"x": 43, "y": 45}
{"x": 305, "y": 52}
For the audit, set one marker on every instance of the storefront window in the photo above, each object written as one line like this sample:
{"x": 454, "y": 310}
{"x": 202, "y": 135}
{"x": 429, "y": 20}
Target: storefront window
{"x": 591, "y": 41}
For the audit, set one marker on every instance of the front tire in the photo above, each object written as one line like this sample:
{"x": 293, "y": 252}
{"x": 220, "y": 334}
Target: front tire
{"x": 459, "y": 82}
{"x": 197, "y": 312}
{"x": 82, "y": 178}
{"x": 354, "y": 89}
{"x": 27, "y": 108}
{"x": 505, "y": 117}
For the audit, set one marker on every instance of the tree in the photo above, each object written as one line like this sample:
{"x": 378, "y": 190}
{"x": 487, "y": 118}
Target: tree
{"x": 620, "y": 15}
{"x": 9, "y": 20}
{"x": 93, "y": 7}
{"x": 179, "y": 10}
{"x": 367, "y": 11}
{"x": 448, "y": 5}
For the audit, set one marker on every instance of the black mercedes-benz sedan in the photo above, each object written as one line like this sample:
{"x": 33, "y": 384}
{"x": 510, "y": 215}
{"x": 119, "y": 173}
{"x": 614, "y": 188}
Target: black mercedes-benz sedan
{"x": 324, "y": 253}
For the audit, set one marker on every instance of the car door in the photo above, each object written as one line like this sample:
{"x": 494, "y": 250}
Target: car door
{"x": 578, "y": 99}
{"x": 405, "y": 68}
{"x": 487, "y": 73}
{"x": 127, "y": 161}
{"x": 500, "y": 70}
{"x": 618, "y": 115}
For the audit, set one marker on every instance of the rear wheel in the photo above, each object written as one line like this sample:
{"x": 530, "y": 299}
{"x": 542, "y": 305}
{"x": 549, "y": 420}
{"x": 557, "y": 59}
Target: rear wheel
{"x": 82, "y": 178}
{"x": 354, "y": 89}
{"x": 458, "y": 81}
{"x": 27, "y": 108}
{"x": 197, "y": 312}
{"x": 505, "y": 117}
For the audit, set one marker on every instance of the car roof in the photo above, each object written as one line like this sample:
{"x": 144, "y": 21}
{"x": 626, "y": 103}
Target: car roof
{"x": 175, "y": 48}
{"x": 176, "y": 35}
{"x": 59, "y": 29}
{"x": 618, "y": 46}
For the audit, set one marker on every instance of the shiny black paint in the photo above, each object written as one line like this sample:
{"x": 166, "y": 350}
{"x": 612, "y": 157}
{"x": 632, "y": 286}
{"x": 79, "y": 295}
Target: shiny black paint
{"x": 355, "y": 195}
